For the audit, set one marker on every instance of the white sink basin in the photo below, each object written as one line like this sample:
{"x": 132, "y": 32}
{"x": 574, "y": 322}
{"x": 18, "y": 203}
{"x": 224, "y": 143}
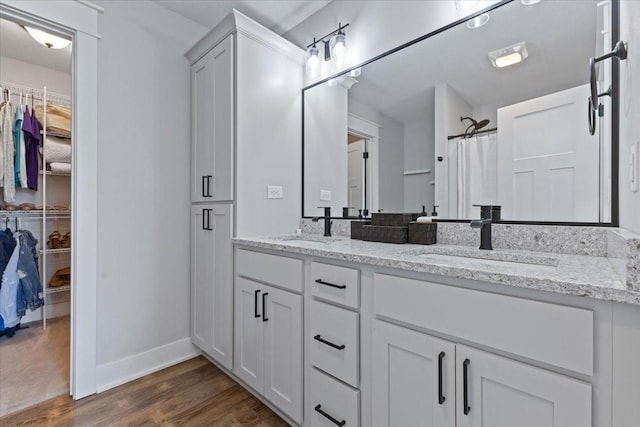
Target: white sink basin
{"x": 459, "y": 254}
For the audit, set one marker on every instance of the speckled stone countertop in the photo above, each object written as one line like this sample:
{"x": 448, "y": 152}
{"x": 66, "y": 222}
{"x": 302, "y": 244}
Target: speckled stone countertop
{"x": 579, "y": 275}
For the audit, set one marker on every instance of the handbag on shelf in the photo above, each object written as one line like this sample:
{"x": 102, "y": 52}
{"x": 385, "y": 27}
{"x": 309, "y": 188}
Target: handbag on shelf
{"x": 61, "y": 277}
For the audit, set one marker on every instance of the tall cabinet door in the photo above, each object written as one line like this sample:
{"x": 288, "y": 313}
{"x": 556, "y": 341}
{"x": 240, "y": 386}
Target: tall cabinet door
{"x": 414, "y": 378}
{"x": 282, "y": 320}
{"x": 211, "y": 281}
{"x": 212, "y": 94}
{"x": 249, "y": 354}
{"x": 505, "y": 393}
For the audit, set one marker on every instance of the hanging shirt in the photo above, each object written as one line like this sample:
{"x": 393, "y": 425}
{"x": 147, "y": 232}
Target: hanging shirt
{"x": 23, "y": 151}
{"x": 9, "y": 291}
{"x": 31, "y": 131}
{"x": 8, "y": 148}
{"x": 17, "y": 131}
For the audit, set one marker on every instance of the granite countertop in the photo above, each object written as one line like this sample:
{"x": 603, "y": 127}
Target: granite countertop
{"x": 579, "y": 275}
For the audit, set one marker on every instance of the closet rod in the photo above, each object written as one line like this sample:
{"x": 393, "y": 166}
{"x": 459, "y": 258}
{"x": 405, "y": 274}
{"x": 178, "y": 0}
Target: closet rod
{"x": 55, "y": 98}
{"x": 474, "y": 133}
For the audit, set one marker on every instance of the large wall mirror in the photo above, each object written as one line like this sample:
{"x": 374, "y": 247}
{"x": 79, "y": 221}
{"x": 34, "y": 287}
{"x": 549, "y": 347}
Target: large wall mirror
{"x": 494, "y": 115}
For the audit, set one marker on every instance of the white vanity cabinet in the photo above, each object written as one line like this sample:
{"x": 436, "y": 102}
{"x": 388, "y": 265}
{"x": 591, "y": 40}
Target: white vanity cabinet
{"x": 212, "y": 115}
{"x": 268, "y": 328}
{"x": 212, "y": 281}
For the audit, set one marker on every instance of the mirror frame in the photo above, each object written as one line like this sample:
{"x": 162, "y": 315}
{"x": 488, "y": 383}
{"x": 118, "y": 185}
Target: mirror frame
{"x": 615, "y": 117}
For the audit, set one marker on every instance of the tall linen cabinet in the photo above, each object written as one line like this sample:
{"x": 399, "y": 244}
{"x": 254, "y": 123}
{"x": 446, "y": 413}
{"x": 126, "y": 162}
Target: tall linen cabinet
{"x": 246, "y": 86}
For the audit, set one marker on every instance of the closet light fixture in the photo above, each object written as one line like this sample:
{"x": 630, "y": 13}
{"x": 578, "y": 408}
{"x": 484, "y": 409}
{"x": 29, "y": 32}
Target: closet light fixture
{"x": 509, "y": 55}
{"x": 478, "y": 21}
{"x": 335, "y": 47}
{"x": 46, "y": 39}
{"x": 463, "y": 5}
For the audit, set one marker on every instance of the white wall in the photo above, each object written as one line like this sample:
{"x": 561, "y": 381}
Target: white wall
{"x": 268, "y": 151}
{"x": 23, "y": 73}
{"x": 376, "y": 27}
{"x": 629, "y": 110}
{"x": 325, "y": 148}
{"x": 143, "y": 185}
{"x": 391, "y": 154}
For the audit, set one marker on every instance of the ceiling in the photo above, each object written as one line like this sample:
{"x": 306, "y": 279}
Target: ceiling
{"x": 277, "y": 15}
{"x": 560, "y": 37}
{"x": 16, "y": 43}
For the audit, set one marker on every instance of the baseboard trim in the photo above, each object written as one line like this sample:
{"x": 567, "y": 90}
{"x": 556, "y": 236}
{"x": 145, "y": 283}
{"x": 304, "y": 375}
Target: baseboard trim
{"x": 130, "y": 368}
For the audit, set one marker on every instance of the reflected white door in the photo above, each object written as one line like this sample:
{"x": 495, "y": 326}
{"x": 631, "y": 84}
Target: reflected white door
{"x": 547, "y": 161}
{"x": 355, "y": 183}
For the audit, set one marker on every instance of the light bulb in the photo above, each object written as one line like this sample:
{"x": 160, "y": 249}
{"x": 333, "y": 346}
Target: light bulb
{"x": 478, "y": 21}
{"x": 466, "y": 4}
{"x": 313, "y": 61}
{"x": 332, "y": 82}
{"x": 338, "y": 46}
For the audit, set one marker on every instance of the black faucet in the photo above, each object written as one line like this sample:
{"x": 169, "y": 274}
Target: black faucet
{"x": 484, "y": 224}
{"x": 327, "y": 220}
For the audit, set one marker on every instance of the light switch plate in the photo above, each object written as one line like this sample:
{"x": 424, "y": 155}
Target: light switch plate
{"x": 274, "y": 192}
{"x": 634, "y": 165}
{"x": 325, "y": 195}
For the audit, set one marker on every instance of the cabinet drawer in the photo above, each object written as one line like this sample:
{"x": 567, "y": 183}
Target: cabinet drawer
{"x": 272, "y": 269}
{"x": 335, "y": 341}
{"x": 336, "y": 284}
{"x": 550, "y": 333}
{"x": 331, "y": 398}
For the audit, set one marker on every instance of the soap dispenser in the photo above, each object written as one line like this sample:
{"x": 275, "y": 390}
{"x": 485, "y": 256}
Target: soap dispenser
{"x": 424, "y": 212}
{"x": 435, "y": 212}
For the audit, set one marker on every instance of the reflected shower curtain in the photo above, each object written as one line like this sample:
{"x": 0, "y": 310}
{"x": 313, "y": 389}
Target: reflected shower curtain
{"x": 477, "y": 174}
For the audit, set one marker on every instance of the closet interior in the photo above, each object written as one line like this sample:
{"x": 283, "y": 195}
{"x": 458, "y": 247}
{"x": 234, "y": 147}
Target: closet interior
{"x": 35, "y": 217}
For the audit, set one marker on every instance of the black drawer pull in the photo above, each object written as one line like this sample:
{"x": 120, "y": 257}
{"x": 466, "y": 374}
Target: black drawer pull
{"x": 209, "y": 185}
{"x": 465, "y": 386}
{"x": 264, "y": 306}
{"x": 318, "y": 409}
{"x": 322, "y": 282}
{"x": 206, "y": 219}
{"x": 441, "y": 397}
{"x": 255, "y": 304}
{"x": 204, "y": 193}
{"x": 329, "y": 343}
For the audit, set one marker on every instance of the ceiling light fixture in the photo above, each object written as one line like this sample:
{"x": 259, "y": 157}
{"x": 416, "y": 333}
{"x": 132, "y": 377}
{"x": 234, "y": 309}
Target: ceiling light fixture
{"x": 46, "y": 39}
{"x": 335, "y": 47}
{"x": 529, "y": 2}
{"x": 509, "y": 55}
{"x": 478, "y": 21}
{"x": 463, "y": 5}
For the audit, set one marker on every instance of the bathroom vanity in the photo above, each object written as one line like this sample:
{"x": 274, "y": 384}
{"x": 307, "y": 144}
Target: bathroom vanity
{"x": 442, "y": 335}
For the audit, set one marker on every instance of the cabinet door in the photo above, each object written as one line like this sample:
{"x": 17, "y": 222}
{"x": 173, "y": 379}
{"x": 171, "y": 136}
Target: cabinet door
{"x": 282, "y": 318}
{"x": 413, "y": 378}
{"x": 212, "y": 92}
{"x": 249, "y": 343}
{"x": 504, "y": 393}
{"x": 211, "y": 282}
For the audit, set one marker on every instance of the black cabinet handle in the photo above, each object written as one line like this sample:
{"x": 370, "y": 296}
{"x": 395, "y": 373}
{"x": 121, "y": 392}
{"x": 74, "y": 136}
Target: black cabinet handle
{"x": 318, "y": 409}
{"x": 204, "y": 194}
{"x": 329, "y": 343}
{"x": 255, "y": 304}
{"x": 206, "y": 219}
{"x": 322, "y": 282}
{"x": 264, "y": 307}
{"x": 441, "y": 397}
{"x": 465, "y": 386}
{"x": 209, "y": 185}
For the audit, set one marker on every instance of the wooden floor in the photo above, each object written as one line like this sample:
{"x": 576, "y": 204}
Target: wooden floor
{"x": 193, "y": 393}
{"x": 34, "y": 365}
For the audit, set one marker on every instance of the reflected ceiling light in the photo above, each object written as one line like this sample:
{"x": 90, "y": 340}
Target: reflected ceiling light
{"x": 466, "y": 4}
{"x": 355, "y": 72}
{"x": 335, "y": 47}
{"x": 46, "y": 39}
{"x": 332, "y": 82}
{"x": 509, "y": 55}
{"x": 529, "y": 2}
{"x": 478, "y": 21}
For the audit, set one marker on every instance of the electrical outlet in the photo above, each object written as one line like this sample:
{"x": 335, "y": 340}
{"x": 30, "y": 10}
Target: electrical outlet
{"x": 274, "y": 192}
{"x": 325, "y": 195}
{"x": 634, "y": 165}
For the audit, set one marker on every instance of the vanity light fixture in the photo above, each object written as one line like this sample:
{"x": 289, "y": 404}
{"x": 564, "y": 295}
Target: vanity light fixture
{"x": 335, "y": 46}
{"x": 355, "y": 72}
{"x": 529, "y": 2}
{"x": 478, "y": 21}
{"x": 46, "y": 39}
{"x": 509, "y": 55}
{"x": 463, "y": 5}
